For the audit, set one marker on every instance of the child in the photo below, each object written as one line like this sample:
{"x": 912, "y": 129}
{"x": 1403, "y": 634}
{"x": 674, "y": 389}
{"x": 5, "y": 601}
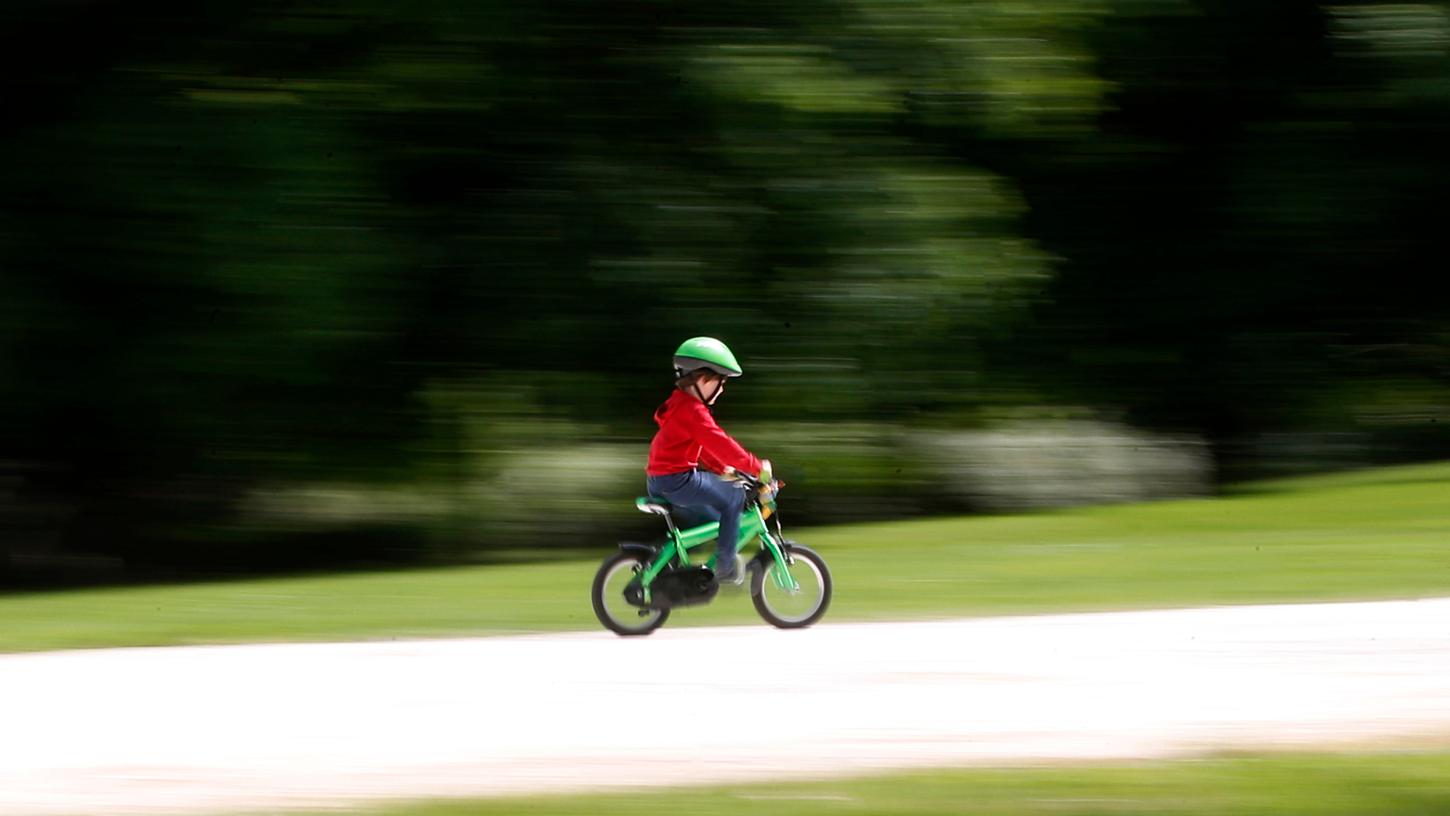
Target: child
{"x": 689, "y": 443}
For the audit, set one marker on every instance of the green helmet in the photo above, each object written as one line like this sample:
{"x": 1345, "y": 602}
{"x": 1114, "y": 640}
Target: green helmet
{"x": 705, "y": 352}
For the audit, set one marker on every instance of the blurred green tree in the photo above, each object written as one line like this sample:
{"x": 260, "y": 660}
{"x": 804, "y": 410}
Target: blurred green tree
{"x": 264, "y": 243}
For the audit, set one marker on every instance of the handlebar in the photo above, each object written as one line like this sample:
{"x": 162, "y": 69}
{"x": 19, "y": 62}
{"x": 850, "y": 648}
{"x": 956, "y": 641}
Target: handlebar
{"x": 750, "y": 481}
{"x": 740, "y": 475}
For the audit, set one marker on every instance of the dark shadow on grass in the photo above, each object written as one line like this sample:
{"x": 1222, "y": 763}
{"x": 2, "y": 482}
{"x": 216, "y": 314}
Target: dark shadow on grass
{"x": 355, "y": 551}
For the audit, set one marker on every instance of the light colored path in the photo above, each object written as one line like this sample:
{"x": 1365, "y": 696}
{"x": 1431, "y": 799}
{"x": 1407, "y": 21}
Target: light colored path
{"x": 276, "y": 726}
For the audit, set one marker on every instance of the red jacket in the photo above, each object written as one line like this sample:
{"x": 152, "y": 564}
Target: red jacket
{"x": 688, "y": 438}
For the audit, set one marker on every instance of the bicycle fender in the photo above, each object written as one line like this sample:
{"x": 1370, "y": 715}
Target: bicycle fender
{"x": 763, "y": 559}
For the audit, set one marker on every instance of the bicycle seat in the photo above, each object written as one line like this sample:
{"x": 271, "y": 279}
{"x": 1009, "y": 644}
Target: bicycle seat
{"x": 653, "y": 504}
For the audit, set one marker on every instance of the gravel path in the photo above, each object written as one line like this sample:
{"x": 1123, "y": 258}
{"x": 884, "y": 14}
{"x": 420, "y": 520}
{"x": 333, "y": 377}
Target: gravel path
{"x": 276, "y": 726}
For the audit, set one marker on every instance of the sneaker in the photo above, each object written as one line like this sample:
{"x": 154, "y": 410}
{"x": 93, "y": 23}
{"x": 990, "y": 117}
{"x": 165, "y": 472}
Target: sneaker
{"x": 728, "y": 571}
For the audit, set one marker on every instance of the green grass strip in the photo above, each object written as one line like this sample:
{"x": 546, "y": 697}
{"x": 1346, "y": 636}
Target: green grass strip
{"x": 1373, "y": 534}
{"x": 1386, "y": 784}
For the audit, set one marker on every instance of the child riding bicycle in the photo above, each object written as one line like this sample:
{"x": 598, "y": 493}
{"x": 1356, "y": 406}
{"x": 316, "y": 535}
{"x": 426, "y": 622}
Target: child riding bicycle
{"x": 690, "y": 452}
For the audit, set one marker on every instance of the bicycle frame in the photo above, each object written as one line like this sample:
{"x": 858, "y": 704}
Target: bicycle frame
{"x": 752, "y": 526}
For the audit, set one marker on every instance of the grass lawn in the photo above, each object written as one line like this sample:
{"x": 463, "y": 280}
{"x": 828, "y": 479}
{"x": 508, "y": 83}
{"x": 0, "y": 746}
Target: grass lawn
{"x": 1389, "y": 784}
{"x": 1381, "y": 533}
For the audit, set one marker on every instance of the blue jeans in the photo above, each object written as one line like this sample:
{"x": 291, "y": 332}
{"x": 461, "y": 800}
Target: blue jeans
{"x": 708, "y": 497}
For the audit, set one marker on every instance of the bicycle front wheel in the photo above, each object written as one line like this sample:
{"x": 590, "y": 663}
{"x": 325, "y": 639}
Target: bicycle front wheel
{"x": 786, "y": 606}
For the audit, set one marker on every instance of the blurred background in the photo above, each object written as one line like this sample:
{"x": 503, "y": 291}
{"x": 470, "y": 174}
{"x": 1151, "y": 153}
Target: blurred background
{"x": 310, "y": 284}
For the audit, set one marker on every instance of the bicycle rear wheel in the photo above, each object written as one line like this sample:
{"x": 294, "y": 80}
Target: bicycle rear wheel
{"x": 607, "y": 595}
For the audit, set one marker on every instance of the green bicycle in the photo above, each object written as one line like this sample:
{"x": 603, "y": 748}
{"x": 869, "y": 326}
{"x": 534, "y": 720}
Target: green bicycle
{"x": 637, "y": 587}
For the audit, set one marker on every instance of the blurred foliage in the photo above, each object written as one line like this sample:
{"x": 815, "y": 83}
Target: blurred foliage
{"x": 257, "y": 249}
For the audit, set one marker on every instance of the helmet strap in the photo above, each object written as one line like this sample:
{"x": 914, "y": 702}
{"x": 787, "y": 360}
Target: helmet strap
{"x": 700, "y": 394}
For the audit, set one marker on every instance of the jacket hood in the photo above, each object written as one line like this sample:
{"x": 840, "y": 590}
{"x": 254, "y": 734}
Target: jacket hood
{"x": 670, "y": 405}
